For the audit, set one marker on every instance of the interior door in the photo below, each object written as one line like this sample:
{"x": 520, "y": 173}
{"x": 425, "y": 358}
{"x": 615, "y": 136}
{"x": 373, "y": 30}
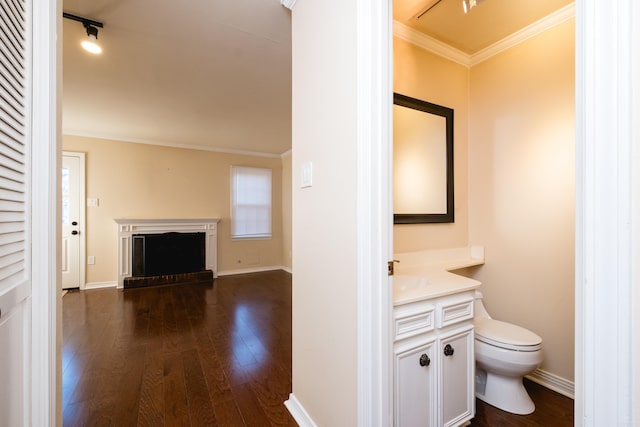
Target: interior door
{"x": 15, "y": 282}
{"x": 72, "y": 191}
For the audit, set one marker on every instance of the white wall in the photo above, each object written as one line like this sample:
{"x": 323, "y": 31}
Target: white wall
{"x": 324, "y": 216}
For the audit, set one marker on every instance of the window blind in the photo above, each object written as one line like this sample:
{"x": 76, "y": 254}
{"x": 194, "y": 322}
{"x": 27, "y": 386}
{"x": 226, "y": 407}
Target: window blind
{"x": 250, "y": 202}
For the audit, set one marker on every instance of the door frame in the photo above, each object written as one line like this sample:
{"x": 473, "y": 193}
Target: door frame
{"x": 607, "y": 214}
{"x": 44, "y": 396}
{"x": 374, "y": 37}
{"x": 82, "y": 215}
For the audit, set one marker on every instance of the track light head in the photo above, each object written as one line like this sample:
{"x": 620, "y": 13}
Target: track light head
{"x": 91, "y": 30}
{"x": 90, "y": 45}
{"x": 467, "y": 5}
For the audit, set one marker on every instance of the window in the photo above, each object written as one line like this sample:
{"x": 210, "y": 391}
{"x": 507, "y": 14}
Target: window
{"x": 250, "y": 202}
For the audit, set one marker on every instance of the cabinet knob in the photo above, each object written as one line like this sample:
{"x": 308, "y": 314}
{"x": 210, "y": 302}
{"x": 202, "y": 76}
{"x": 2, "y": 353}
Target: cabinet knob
{"x": 448, "y": 350}
{"x": 424, "y": 360}
{"x": 75, "y": 232}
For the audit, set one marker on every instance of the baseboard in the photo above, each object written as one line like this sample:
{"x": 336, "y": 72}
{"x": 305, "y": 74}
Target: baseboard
{"x": 251, "y": 270}
{"x": 99, "y": 285}
{"x": 297, "y": 411}
{"x": 553, "y": 382}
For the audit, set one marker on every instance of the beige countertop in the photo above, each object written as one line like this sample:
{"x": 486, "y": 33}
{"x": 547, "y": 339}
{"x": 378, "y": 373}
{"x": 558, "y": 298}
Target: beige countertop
{"x": 427, "y": 274}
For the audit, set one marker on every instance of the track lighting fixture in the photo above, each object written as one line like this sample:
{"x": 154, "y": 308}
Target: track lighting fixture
{"x": 467, "y": 5}
{"x": 91, "y": 26}
{"x": 427, "y": 7}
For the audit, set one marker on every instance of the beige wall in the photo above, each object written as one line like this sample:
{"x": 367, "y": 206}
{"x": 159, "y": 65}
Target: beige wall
{"x": 146, "y": 181}
{"x": 514, "y": 178}
{"x": 286, "y": 211}
{"x": 521, "y": 188}
{"x": 324, "y": 215}
{"x": 423, "y": 75}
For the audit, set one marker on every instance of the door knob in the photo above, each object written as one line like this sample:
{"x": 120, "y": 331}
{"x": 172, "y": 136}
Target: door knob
{"x": 448, "y": 350}
{"x": 74, "y": 223}
{"x": 74, "y": 232}
{"x": 424, "y": 360}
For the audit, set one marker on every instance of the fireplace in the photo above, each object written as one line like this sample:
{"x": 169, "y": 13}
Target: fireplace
{"x": 155, "y": 251}
{"x": 167, "y": 253}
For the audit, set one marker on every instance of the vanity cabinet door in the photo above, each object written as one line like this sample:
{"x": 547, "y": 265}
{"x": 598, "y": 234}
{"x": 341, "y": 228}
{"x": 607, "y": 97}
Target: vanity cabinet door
{"x": 415, "y": 374}
{"x": 457, "y": 381}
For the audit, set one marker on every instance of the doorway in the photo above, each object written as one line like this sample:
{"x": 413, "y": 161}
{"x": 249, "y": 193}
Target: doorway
{"x": 73, "y": 220}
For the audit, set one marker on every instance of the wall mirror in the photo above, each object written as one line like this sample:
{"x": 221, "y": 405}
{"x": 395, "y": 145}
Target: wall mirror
{"x": 422, "y": 161}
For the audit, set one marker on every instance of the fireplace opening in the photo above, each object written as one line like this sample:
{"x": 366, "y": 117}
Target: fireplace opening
{"x": 167, "y": 254}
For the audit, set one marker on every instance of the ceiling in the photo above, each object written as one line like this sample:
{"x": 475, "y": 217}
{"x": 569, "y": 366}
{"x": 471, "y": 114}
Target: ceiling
{"x": 487, "y": 23}
{"x": 216, "y": 74}
{"x": 199, "y": 73}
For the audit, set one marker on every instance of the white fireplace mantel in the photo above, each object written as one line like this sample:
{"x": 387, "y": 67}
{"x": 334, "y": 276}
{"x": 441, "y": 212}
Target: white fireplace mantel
{"x": 130, "y": 226}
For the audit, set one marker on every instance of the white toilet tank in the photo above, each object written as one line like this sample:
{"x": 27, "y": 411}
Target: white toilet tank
{"x": 478, "y": 307}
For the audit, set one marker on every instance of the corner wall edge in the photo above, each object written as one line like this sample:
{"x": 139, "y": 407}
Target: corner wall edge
{"x": 289, "y": 4}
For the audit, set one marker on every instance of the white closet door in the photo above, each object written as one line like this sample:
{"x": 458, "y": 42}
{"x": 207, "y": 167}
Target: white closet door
{"x": 15, "y": 285}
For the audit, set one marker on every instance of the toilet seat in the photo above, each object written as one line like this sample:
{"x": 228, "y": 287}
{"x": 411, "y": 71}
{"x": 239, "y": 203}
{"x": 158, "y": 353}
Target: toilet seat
{"x": 506, "y": 335}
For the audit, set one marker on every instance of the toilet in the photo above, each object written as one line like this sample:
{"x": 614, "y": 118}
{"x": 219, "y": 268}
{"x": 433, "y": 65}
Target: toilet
{"x": 504, "y": 354}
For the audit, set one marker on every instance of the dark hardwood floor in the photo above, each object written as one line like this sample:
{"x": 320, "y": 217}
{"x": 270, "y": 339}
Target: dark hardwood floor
{"x": 203, "y": 355}
{"x": 552, "y": 410}
{"x": 193, "y": 354}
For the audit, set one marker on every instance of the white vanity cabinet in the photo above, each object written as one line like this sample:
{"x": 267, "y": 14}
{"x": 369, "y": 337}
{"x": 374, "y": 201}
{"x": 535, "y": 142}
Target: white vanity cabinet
{"x": 434, "y": 361}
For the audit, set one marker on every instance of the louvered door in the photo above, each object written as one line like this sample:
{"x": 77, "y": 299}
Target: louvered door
{"x": 15, "y": 308}
{"x": 14, "y": 136}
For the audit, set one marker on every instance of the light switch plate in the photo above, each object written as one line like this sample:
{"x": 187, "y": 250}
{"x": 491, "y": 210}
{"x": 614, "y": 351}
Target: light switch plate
{"x": 92, "y": 202}
{"x": 306, "y": 175}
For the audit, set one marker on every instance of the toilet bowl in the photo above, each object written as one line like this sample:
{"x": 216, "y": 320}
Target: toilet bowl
{"x": 504, "y": 354}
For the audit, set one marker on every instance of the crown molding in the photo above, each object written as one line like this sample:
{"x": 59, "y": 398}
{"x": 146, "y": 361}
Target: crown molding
{"x": 442, "y": 49}
{"x": 289, "y": 4}
{"x": 71, "y": 132}
{"x": 426, "y": 42}
{"x": 286, "y": 154}
{"x": 538, "y": 27}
